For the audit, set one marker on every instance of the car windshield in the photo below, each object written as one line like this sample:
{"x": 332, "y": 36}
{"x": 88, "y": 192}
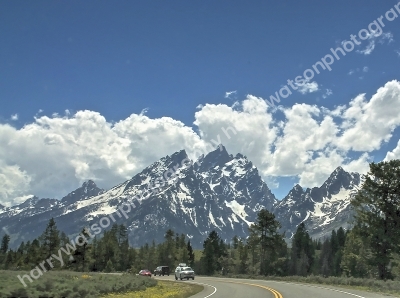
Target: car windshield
{"x": 187, "y": 269}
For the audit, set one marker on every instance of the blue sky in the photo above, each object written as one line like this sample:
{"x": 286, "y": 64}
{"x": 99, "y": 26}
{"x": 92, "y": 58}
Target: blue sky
{"x": 169, "y": 59}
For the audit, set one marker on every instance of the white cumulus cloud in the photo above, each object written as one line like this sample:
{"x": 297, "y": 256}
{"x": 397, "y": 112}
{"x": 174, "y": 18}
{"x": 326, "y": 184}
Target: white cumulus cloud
{"x": 53, "y": 155}
{"x": 308, "y": 87}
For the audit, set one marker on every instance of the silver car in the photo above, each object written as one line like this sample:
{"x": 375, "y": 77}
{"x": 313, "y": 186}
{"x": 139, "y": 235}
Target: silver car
{"x": 184, "y": 272}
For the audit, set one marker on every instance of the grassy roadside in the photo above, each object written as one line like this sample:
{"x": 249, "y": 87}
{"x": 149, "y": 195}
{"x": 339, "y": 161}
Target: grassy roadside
{"x": 390, "y": 287}
{"x": 71, "y": 284}
{"x": 163, "y": 289}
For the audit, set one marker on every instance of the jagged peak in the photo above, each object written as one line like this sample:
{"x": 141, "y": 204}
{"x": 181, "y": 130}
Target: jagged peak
{"x": 339, "y": 169}
{"x": 297, "y": 187}
{"x": 89, "y": 183}
{"x": 240, "y": 155}
{"x": 338, "y": 173}
{"x": 295, "y": 190}
{"x": 88, "y": 189}
{"x": 173, "y": 159}
{"x": 217, "y": 157}
{"x": 220, "y": 148}
{"x": 30, "y": 201}
{"x": 180, "y": 153}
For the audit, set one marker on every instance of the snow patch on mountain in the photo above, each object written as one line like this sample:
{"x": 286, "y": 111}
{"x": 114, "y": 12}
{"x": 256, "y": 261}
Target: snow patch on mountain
{"x": 220, "y": 191}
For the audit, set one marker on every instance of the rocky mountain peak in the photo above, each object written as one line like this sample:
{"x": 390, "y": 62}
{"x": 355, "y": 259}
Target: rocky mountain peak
{"x": 89, "y": 184}
{"x": 339, "y": 179}
{"x": 321, "y": 208}
{"x": 87, "y": 190}
{"x": 179, "y": 156}
{"x": 219, "y": 192}
{"x": 30, "y": 202}
{"x": 297, "y": 190}
{"x": 218, "y": 157}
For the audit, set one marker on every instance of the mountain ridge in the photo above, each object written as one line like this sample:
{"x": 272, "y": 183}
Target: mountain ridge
{"x": 219, "y": 192}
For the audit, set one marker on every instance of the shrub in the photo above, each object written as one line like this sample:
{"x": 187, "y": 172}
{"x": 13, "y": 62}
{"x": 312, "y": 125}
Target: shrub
{"x": 71, "y": 284}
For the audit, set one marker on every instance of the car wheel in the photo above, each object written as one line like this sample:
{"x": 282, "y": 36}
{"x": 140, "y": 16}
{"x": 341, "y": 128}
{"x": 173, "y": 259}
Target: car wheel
{"x": 181, "y": 277}
{"x": 176, "y": 278}
{"x": 192, "y": 278}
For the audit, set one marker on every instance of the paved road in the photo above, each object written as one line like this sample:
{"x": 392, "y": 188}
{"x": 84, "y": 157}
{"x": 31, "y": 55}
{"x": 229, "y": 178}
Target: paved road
{"x": 241, "y": 288}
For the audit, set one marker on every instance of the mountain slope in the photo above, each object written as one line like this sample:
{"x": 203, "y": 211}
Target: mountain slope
{"x": 218, "y": 192}
{"x": 322, "y": 209}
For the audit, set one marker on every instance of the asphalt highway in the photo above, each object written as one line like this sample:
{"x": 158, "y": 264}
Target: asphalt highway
{"x": 243, "y": 288}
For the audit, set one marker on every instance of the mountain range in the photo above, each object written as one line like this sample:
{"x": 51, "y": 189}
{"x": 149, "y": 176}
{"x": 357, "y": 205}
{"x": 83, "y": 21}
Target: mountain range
{"x": 219, "y": 192}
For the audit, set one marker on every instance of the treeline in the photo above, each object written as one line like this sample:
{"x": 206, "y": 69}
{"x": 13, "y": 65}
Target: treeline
{"x": 369, "y": 249}
{"x": 108, "y": 253}
{"x": 304, "y": 257}
{"x": 265, "y": 252}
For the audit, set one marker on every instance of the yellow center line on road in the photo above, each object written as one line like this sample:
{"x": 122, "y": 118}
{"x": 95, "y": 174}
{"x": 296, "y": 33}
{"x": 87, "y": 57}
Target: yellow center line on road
{"x": 275, "y": 292}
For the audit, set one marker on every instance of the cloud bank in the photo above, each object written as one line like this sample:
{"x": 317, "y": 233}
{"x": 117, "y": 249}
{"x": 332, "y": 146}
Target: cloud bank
{"x": 52, "y": 155}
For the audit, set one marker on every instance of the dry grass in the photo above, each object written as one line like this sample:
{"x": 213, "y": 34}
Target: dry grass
{"x": 71, "y": 284}
{"x": 164, "y": 289}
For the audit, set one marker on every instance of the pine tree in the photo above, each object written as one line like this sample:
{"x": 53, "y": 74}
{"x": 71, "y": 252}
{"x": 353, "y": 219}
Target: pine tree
{"x": 184, "y": 254}
{"x": 354, "y": 259}
{"x": 177, "y": 241}
{"x": 209, "y": 259}
{"x": 132, "y": 258}
{"x": 182, "y": 240}
{"x": 94, "y": 266}
{"x": 341, "y": 236}
{"x": 190, "y": 254}
{"x": 109, "y": 267}
{"x": 336, "y": 254}
{"x": 213, "y": 250}
{"x": 162, "y": 256}
{"x": 50, "y": 241}
{"x": 235, "y": 242}
{"x": 4, "y": 243}
{"x": 108, "y": 248}
{"x": 326, "y": 258}
{"x": 294, "y": 257}
{"x": 252, "y": 243}
{"x": 265, "y": 231}
{"x": 377, "y": 207}
{"x": 302, "y": 252}
{"x": 152, "y": 255}
{"x": 123, "y": 242}
{"x": 243, "y": 258}
{"x": 170, "y": 248}
{"x": 81, "y": 254}
{"x": 33, "y": 256}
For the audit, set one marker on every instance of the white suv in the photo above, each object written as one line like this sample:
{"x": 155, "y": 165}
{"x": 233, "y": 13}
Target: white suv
{"x": 182, "y": 272}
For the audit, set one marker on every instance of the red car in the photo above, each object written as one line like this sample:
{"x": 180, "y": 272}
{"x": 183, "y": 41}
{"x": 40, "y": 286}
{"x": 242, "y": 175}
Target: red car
{"x": 145, "y": 272}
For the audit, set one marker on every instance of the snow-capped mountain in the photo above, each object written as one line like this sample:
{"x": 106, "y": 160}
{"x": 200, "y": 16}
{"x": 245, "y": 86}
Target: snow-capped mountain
{"x": 219, "y": 191}
{"x": 322, "y": 209}
{"x": 28, "y": 220}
